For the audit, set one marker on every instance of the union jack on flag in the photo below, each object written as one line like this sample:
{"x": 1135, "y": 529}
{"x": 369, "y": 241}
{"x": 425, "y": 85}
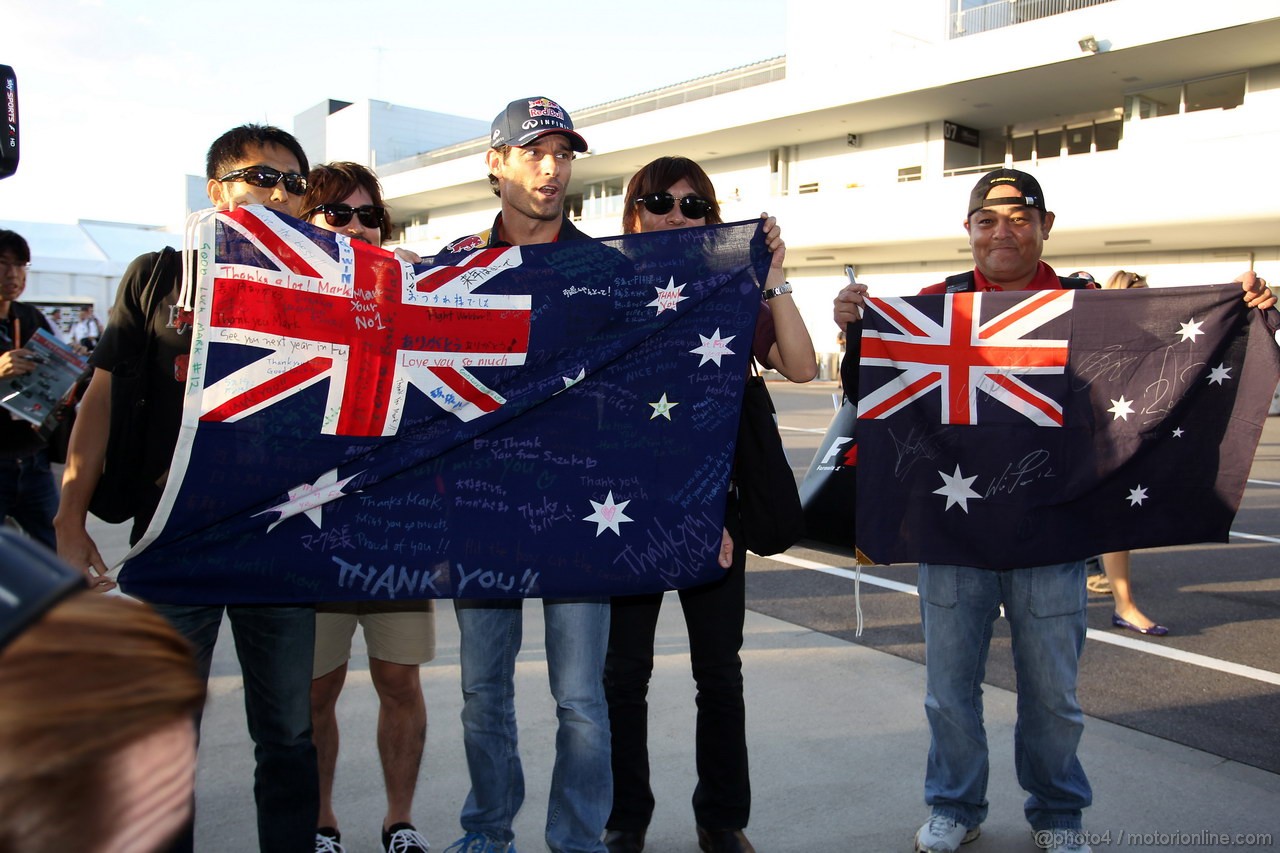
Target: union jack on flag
{"x": 370, "y": 330}
{"x": 544, "y": 421}
{"x": 963, "y": 357}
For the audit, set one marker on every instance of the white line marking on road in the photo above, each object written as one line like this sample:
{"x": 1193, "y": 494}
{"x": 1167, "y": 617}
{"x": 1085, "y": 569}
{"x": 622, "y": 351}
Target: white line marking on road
{"x": 1255, "y": 537}
{"x": 1144, "y": 646}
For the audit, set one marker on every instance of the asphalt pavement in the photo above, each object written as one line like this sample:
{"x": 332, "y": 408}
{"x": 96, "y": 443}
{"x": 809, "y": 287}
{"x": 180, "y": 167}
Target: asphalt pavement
{"x": 1181, "y": 751}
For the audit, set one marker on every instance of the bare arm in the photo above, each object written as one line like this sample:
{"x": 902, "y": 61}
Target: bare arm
{"x": 792, "y": 351}
{"x": 85, "y": 455}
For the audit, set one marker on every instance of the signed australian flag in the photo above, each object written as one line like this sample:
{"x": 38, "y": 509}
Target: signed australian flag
{"x": 539, "y": 421}
{"x": 1007, "y": 430}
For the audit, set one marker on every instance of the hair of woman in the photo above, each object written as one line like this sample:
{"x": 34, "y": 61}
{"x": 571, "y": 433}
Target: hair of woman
{"x": 94, "y": 675}
{"x": 658, "y": 177}
{"x": 331, "y": 183}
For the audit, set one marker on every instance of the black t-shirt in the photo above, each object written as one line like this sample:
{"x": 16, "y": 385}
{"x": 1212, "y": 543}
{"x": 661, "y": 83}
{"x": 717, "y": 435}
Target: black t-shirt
{"x": 123, "y": 343}
{"x": 17, "y": 437}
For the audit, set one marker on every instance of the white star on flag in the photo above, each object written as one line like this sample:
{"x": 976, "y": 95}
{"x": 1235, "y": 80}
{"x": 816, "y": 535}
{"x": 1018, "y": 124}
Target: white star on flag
{"x": 1190, "y": 330}
{"x": 955, "y": 489}
{"x": 1121, "y": 408}
{"x": 668, "y": 299}
{"x": 1138, "y": 495}
{"x": 309, "y": 497}
{"x": 1178, "y": 433}
{"x": 1218, "y": 374}
{"x": 713, "y": 348}
{"x": 570, "y": 381}
{"x": 608, "y": 515}
{"x": 662, "y": 408}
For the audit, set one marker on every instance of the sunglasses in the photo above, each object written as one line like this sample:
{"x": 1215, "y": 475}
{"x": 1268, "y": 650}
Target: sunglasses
{"x": 267, "y": 177}
{"x": 691, "y": 206}
{"x": 338, "y": 215}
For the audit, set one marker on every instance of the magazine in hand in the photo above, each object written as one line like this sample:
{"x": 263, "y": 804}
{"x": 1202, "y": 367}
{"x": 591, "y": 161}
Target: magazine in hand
{"x": 35, "y": 396}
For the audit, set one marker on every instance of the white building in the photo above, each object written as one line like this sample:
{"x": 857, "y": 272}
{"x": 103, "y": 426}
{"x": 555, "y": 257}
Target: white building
{"x": 82, "y": 264}
{"x": 1153, "y": 126}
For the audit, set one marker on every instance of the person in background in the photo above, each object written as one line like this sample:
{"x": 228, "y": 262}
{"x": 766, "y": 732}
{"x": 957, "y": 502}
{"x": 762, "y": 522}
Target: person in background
{"x": 86, "y": 330}
{"x": 28, "y": 493}
{"x": 97, "y": 700}
{"x": 346, "y": 198}
{"x": 670, "y": 193}
{"x": 1116, "y": 564}
{"x": 1095, "y": 579}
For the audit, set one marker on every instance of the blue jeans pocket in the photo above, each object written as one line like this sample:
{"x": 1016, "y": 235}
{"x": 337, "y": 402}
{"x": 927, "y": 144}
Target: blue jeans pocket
{"x": 938, "y": 585}
{"x": 1057, "y": 590}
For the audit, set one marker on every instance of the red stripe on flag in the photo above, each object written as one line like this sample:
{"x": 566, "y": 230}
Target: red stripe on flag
{"x": 286, "y": 381}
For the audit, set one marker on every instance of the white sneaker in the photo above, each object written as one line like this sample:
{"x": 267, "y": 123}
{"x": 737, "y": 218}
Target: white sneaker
{"x": 941, "y": 834}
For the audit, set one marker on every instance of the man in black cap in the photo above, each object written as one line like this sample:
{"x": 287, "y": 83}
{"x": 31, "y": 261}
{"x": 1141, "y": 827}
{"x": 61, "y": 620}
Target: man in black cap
{"x": 1008, "y": 223}
{"x": 530, "y": 163}
{"x": 531, "y": 151}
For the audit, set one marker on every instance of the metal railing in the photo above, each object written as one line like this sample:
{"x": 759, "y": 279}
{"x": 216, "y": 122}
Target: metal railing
{"x": 755, "y": 74}
{"x": 1006, "y": 13}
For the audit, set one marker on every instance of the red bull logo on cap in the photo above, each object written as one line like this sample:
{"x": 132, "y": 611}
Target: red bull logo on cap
{"x": 546, "y": 107}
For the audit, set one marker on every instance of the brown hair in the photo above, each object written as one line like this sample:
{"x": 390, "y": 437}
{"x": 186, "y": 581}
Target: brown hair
{"x": 658, "y": 177}
{"x": 330, "y": 183}
{"x": 1121, "y": 280}
{"x": 95, "y": 675}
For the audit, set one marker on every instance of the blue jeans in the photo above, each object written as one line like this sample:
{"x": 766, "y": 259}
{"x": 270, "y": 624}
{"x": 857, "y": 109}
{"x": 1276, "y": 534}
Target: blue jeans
{"x": 1045, "y": 607}
{"x": 274, "y": 645}
{"x": 577, "y": 634}
{"x": 29, "y": 495}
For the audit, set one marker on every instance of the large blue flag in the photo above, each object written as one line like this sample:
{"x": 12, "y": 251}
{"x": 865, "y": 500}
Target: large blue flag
{"x": 1005, "y": 430}
{"x": 540, "y": 421}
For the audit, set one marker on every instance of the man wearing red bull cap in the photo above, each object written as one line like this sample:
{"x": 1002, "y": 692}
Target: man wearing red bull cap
{"x": 530, "y": 163}
{"x": 1008, "y": 223}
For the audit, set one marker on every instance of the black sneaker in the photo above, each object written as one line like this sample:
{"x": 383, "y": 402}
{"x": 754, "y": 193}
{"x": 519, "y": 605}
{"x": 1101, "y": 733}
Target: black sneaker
{"x": 403, "y": 838}
{"x": 329, "y": 840}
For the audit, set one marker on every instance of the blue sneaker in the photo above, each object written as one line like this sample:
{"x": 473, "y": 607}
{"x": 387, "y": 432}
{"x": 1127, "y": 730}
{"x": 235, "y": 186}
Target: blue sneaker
{"x": 478, "y": 842}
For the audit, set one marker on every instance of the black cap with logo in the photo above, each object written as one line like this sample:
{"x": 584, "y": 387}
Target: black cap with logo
{"x": 1028, "y": 188}
{"x": 526, "y": 119}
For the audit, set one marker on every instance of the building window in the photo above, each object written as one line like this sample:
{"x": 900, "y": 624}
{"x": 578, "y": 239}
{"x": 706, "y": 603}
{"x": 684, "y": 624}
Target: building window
{"x": 910, "y": 173}
{"x": 1213, "y": 93}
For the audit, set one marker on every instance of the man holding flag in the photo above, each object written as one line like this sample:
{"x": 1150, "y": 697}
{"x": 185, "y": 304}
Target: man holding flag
{"x": 1044, "y": 602}
{"x": 247, "y": 165}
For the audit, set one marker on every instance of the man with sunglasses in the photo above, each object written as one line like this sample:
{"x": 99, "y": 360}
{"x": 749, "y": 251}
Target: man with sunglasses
{"x": 530, "y": 163}
{"x": 250, "y": 164}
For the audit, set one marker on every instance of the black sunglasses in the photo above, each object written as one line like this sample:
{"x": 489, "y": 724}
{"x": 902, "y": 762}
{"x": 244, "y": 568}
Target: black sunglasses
{"x": 691, "y": 206}
{"x": 338, "y": 215}
{"x": 267, "y": 177}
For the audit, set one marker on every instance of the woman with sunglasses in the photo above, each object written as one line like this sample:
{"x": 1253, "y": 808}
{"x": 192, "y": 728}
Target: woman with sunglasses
{"x": 674, "y": 192}
{"x": 346, "y": 198}
{"x": 1116, "y": 564}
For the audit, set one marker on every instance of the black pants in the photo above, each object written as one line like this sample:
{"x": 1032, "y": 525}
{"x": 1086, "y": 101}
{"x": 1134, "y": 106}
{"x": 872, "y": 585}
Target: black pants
{"x": 714, "y": 615}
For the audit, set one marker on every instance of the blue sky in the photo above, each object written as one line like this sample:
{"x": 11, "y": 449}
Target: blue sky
{"x": 120, "y": 98}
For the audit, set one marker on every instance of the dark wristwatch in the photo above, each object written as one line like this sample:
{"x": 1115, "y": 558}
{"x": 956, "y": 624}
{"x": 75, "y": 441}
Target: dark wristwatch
{"x": 785, "y": 287}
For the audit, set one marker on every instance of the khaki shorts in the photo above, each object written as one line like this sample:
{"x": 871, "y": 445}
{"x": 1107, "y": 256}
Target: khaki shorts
{"x": 394, "y": 631}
